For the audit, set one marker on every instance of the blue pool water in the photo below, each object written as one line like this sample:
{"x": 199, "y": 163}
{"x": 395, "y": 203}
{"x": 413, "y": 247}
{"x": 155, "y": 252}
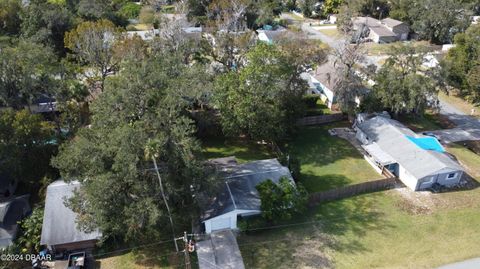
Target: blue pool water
{"x": 427, "y": 143}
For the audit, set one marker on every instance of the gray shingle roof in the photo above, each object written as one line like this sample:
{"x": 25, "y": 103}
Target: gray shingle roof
{"x": 374, "y": 25}
{"x": 59, "y": 226}
{"x": 391, "y": 22}
{"x": 239, "y": 191}
{"x": 391, "y": 137}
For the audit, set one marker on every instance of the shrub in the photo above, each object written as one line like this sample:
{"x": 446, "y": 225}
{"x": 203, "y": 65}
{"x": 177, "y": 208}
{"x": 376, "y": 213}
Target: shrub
{"x": 131, "y": 28}
{"x": 130, "y": 10}
{"x": 311, "y": 100}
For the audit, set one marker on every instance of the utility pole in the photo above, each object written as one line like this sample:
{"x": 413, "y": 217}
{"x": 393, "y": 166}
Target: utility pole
{"x": 186, "y": 251}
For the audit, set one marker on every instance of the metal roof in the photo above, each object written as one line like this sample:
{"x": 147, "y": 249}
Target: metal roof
{"x": 240, "y": 190}
{"x": 391, "y": 137}
{"x": 11, "y": 212}
{"x": 59, "y": 225}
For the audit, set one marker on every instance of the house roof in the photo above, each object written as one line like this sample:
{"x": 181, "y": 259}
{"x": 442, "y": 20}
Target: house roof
{"x": 59, "y": 226}
{"x": 392, "y": 138}
{"x": 391, "y": 22}
{"x": 11, "y": 212}
{"x": 327, "y": 75}
{"x": 239, "y": 190}
{"x": 374, "y": 25}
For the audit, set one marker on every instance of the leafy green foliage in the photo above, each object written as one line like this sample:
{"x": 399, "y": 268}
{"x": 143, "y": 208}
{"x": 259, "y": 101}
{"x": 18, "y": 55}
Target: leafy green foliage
{"x": 31, "y": 231}
{"x": 9, "y": 17}
{"x": 130, "y": 10}
{"x": 143, "y": 103}
{"x": 400, "y": 84}
{"x": 263, "y": 99}
{"x": 462, "y": 63}
{"x": 282, "y": 201}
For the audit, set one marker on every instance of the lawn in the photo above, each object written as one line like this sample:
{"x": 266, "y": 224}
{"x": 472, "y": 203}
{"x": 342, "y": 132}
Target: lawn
{"x": 328, "y": 32}
{"x": 392, "y": 229}
{"x": 327, "y": 161}
{"x": 320, "y": 109}
{"x": 382, "y": 49}
{"x": 243, "y": 150}
{"x": 429, "y": 122}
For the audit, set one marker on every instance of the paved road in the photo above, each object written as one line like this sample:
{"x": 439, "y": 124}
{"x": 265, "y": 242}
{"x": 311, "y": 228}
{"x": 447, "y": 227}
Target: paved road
{"x": 468, "y": 264}
{"x": 468, "y": 128}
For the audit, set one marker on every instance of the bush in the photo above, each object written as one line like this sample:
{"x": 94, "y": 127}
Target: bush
{"x": 147, "y": 15}
{"x": 130, "y": 10}
{"x": 311, "y": 100}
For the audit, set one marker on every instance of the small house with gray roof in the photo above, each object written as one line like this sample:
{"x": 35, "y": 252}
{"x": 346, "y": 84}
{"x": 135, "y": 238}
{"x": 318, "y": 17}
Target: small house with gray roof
{"x": 385, "y": 31}
{"x": 418, "y": 161}
{"x": 238, "y": 196}
{"x": 60, "y": 231}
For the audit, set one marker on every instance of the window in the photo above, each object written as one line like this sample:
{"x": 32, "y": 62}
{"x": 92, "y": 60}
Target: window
{"x": 452, "y": 175}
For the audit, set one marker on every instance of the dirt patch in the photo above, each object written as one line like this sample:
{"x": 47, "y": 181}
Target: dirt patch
{"x": 415, "y": 203}
{"x": 311, "y": 253}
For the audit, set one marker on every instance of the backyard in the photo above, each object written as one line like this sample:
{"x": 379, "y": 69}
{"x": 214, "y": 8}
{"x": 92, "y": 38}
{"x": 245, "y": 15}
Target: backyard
{"x": 392, "y": 229}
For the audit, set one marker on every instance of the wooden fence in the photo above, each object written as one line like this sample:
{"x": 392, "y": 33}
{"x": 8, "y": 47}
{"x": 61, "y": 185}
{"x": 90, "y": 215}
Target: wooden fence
{"x": 321, "y": 119}
{"x": 352, "y": 190}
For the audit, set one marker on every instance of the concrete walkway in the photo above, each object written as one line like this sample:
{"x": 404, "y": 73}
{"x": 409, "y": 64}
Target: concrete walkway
{"x": 468, "y": 264}
{"x": 221, "y": 251}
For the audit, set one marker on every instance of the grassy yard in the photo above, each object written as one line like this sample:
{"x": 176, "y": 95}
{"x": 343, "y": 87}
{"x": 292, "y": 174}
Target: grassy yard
{"x": 382, "y": 49}
{"x": 328, "y": 161}
{"x": 393, "y": 229}
{"x": 243, "y": 150}
{"x": 460, "y": 104}
{"x": 429, "y": 122}
{"x": 328, "y": 32}
{"x": 320, "y": 109}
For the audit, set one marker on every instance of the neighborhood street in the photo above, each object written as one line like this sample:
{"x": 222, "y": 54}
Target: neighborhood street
{"x": 468, "y": 127}
{"x": 468, "y": 264}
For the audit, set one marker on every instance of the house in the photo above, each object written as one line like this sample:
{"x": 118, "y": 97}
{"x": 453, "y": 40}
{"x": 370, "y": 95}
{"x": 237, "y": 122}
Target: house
{"x": 325, "y": 78}
{"x": 418, "y": 161}
{"x": 384, "y": 31}
{"x": 60, "y": 232}
{"x": 219, "y": 251}
{"x": 270, "y": 35}
{"x": 238, "y": 196}
{"x": 144, "y": 35}
{"x": 400, "y": 29}
{"x": 332, "y": 18}
{"x": 11, "y": 212}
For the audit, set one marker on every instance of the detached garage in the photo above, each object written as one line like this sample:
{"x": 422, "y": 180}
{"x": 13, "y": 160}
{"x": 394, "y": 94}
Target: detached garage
{"x": 238, "y": 196}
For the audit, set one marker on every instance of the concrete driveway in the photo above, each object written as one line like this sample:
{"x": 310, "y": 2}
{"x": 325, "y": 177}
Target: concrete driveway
{"x": 468, "y": 264}
{"x": 468, "y": 127}
{"x": 220, "y": 251}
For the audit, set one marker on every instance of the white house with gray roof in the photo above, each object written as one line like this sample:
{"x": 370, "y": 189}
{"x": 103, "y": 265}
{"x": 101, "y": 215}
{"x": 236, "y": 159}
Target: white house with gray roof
{"x": 239, "y": 196}
{"x": 385, "y": 31}
{"x": 418, "y": 161}
{"x": 60, "y": 231}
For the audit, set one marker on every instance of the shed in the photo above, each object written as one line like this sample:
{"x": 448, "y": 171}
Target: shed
{"x": 239, "y": 196}
{"x": 60, "y": 231}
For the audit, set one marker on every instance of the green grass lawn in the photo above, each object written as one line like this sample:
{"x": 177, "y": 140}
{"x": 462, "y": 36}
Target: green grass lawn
{"x": 429, "y": 122}
{"x": 243, "y": 150}
{"x": 455, "y": 100}
{"x": 320, "y": 109}
{"x": 328, "y": 161}
{"x": 391, "y": 229}
{"x": 328, "y": 32}
{"x": 382, "y": 49}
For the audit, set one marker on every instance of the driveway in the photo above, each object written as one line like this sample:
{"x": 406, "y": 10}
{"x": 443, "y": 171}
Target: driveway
{"x": 468, "y": 127}
{"x": 468, "y": 264}
{"x": 220, "y": 251}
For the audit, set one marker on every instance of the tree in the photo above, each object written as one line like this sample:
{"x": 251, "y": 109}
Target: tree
{"x": 331, "y": 6}
{"x": 263, "y": 99}
{"x": 10, "y": 17}
{"x": 31, "y": 231}
{"x": 26, "y": 72}
{"x": 348, "y": 85}
{"x": 462, "y": 61}
{"x": 439, "y": 20}
{"x": 282, "y": 201}
{"x": 401, "y": 85}
{"x": 25, "y": 146}
{"x": 93, "y": 44}
{"x": 46, "y": 23}
{"x": 143, "y": 103}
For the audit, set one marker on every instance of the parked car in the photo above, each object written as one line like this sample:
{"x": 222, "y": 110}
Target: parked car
{"x": 76, "y": 260}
